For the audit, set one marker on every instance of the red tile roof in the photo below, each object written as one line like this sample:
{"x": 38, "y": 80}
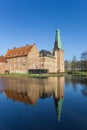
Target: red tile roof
{"x": 2, "y": 59}
{"x": 18, "y": 52}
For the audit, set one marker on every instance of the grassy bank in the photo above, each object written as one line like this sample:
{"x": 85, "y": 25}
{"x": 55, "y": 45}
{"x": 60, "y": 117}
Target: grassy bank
{"x": 77, "y": 73}
{"x": 33, "y": 75}
{"x": 83, "y": 73}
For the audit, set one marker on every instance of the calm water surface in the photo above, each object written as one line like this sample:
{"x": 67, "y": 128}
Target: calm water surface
{"x": 43, "y": 104}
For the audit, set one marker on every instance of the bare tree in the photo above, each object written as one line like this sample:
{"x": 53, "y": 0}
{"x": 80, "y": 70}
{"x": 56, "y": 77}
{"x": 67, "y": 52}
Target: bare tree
{"x": 84, "y": 55}
{"x": 67, "y": 65}
{"x": 84, "y": 60}
{"x": 73, "y": 63}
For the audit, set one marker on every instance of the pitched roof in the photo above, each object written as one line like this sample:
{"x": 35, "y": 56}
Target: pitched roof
{"x": 18, "y": 52}
{"x": 2, "y": 59}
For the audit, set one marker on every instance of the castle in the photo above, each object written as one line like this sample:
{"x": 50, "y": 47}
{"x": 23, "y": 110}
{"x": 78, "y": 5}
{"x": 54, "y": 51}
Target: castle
{"x": 28, "y": 59}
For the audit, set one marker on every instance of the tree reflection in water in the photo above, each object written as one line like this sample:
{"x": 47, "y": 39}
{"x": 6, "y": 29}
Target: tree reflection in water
{"x": 75, "y": 80}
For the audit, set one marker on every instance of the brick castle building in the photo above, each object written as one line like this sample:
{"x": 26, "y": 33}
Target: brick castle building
{"x": 28, "y": 59}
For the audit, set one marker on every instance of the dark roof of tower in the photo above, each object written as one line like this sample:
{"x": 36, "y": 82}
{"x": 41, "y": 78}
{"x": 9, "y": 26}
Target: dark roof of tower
{"x": 46, "y": 53}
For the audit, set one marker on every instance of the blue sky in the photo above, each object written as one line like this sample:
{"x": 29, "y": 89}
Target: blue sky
{"x": 35, "y": 21}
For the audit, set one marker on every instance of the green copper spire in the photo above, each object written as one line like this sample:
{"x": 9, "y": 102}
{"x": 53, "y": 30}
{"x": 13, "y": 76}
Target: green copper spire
{"x": 58, "y": 43}
{"x": 60, "y": 102}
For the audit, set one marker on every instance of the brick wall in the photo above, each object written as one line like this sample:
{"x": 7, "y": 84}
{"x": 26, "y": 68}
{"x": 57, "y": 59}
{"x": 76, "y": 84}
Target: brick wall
{"x": 59, "y": 55}
{"x": 33, "y": 59}
{"x": 48, "y": 63}
{"x": 2, "y": 67}
{"x": 16, "y": 65}
{"x": 61, "y": 60}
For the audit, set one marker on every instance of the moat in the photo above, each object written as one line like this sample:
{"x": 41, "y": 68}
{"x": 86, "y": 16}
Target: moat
{"x": 43, "y": 104}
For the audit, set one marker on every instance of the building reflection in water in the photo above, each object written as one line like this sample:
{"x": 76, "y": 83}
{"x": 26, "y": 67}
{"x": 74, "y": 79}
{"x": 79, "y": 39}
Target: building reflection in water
{"x": 59, "y": 96}
{"x": 29, "y": 90}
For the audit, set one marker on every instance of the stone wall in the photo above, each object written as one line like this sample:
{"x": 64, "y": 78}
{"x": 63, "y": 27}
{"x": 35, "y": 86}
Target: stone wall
{"x": 33, "y": 59}
{"x": 61, "y": 60}
{"x": 2, "y": 67}
{"x": 59, "y": 55}
{"x": 16, "y": 65}
{"x": 48, "y": 63}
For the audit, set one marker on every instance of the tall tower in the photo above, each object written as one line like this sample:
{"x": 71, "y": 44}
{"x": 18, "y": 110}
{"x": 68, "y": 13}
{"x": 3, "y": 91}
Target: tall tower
{"x": 59, "y": 52}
